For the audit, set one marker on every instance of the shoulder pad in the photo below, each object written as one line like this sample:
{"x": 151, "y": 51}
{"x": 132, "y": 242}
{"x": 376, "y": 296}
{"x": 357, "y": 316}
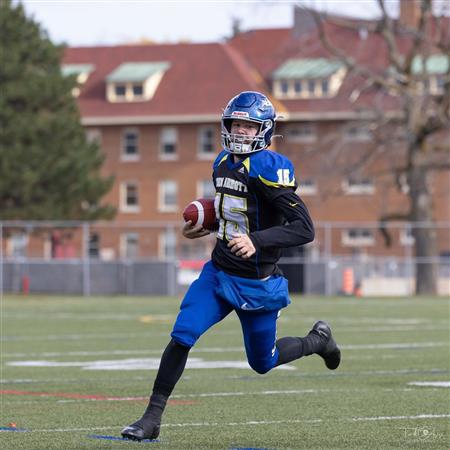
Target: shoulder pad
{"x": 220, "y": 158}
{"x": 272, "y": 169}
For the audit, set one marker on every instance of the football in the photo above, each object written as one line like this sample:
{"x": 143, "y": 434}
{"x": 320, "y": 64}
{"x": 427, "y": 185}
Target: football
{"x": 201, "y": 212}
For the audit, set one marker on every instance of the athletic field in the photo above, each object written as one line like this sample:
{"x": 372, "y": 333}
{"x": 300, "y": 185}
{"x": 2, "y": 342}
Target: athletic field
{"x": 76, "y": 370}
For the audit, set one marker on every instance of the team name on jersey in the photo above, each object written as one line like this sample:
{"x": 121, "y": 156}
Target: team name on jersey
{"x": 231, "y": 184}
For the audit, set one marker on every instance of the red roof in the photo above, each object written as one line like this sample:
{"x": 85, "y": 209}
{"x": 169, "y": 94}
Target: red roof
{"x": 266, "y": 49}
{"x": 203, "y": 77}
{"x": 200, "y": 80}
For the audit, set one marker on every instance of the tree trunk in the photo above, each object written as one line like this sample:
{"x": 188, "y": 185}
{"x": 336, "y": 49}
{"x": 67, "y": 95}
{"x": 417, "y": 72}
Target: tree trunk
{"x": 425, "y": 233}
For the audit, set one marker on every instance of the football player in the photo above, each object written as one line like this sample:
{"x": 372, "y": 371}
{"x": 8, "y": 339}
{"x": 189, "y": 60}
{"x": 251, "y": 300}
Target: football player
{"x": 259, "y": 213}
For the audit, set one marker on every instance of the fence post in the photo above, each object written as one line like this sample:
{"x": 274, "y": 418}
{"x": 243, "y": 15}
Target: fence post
{"x": 1, "y": 262}
{"x": 328, "y": 259}
{"x": 85, "y": 257}
{"x": 171, "y": 275}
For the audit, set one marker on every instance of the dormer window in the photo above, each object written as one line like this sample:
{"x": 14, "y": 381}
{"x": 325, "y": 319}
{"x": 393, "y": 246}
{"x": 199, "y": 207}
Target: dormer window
{"x": 429, "y": 77}
{"x": 308, "y": 78}
{"x": 120, "y": 90}
{"x": 134, "y": 82}
{"x": 81, "y": 71}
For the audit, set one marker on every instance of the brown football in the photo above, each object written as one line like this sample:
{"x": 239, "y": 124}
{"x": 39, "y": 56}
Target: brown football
{"x": 201, "y": 211}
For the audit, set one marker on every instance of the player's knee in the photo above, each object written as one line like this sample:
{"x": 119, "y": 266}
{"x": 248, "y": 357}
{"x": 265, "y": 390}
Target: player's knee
{"x": 186, "y": 337}
{"x": 261, "y": 366}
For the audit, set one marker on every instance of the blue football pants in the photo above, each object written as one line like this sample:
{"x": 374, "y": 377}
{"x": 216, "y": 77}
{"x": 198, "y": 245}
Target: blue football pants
{"x": 202, "y": 308}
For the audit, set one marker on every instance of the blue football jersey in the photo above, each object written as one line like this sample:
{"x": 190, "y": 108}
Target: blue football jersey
{"x": 256, "y": 196}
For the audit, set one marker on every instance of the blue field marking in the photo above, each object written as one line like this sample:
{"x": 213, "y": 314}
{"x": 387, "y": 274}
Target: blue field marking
{"x": 249, "y": 448}
{"x": 116, "y": 438}
{"x": 13, "y": 429}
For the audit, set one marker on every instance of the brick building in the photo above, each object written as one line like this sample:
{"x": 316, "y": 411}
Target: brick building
{"x": 155, "y": 111}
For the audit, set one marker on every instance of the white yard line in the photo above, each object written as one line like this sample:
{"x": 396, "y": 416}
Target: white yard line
{"x": 439, "y": 384}
{"x": 120, "y": 352}
{"x": 420, "y": 416}
{"x": 250, "y": 423}
{"x": 394, "y": 345}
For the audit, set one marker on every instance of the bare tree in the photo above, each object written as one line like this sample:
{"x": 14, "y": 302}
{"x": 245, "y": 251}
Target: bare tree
{"x": 409, "y": 113}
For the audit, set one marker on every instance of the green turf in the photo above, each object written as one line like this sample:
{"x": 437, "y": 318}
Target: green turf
{"x": 306, "y": 408}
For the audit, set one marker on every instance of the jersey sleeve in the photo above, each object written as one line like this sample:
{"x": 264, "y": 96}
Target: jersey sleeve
{"x": 299, "y": 227}
{"x": 275, "y": 176}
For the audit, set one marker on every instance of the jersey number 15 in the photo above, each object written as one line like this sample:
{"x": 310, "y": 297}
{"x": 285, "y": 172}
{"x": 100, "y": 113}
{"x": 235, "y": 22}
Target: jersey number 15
{"x": 231, "y": 211}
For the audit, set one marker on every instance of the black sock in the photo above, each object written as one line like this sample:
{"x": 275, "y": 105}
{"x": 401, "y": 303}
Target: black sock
{"x": 171, "y": 367}
{"x": 292, "y": 348}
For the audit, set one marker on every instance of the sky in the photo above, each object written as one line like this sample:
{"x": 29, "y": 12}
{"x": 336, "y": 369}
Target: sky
{"x": 110, "y": 22}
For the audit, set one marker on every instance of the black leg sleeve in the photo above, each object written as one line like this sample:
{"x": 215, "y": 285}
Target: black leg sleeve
{"x": 292, "y": 348}
{"x": 171, "y": 367}
{"x": 289, "y": 349}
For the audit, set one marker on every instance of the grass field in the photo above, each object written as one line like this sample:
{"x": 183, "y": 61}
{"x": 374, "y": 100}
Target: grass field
{"x": 75, "y": 368}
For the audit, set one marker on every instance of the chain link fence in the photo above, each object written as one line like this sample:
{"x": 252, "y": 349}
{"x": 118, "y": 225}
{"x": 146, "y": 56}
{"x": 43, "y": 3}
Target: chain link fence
{"x": 153, "y": 258}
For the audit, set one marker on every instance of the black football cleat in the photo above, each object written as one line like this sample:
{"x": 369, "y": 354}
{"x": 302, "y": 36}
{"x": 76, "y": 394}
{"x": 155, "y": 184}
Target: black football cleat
{"x": 140, "y": 430}
{"x": 331, "y": 352}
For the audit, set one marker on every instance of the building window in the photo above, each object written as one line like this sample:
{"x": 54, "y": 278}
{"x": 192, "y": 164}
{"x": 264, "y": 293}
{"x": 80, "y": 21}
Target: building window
{"x": 138, "y": 90}
{"x": 206, "y": 143}
{"x": 357, "y": 186}
{"x": 406, "y": 237}
{"x": 94, "y": 245}
{"x": 307, "y": 187}
{"x": 17, "y": 245}
{"x": 130, "y": 145}
{"x": 206, "y": 189}
{"x": 357, "y": 237}
{"x": 297, "y": 87}
{"x": 325, "y": 87}
{"x": 356, "y": 133}
{"x": 94, "y": 135}
{"x": 311, "y": 87}
{"x": 120, "y": 90}
{"x": 129, "y": 245}
{"x": 301, "y": 132}
{"x": 129, "y": 197}
{"x": 440, "y": 85}
{"x": 167, "y": 244}
{"x": 284, "y": 86}
{"x": 168, "y": 193}
{"x": 168, "y": 143}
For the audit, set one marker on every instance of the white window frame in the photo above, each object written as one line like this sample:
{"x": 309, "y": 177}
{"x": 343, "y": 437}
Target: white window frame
{"x": 201, "y": 191}
{"x": 406, "y": 238}
{"x": 168, "y": 135}
{"x": 124, "y": 245}
{"x": 94, "y": 135}
{"x": 132, "y": 157}
{"x": 162, "y": 205}
{"x": 165, "y": 251}
{"x": 17, "y": 245}
{"x": 352, "y": 188}
{"x": 362, "y": 134}
{"x": 357, "y": 241}
{"x": 124, "y": 207}
{"x": 311, "y": 136}
{"x": 201, "y": 140}
{"x": 120, "y": 97}
{"x": 334, "y": 82}
{"x": 308, "y": 188}
{"x": 129, "y": 95}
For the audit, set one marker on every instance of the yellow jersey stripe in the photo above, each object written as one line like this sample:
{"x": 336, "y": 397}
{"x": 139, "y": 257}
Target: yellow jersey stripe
{"x": 276, "y": 184}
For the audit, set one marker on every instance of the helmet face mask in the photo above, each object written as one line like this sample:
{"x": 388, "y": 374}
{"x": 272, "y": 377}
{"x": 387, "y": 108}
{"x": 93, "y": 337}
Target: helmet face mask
{"x": 252, "y": 107}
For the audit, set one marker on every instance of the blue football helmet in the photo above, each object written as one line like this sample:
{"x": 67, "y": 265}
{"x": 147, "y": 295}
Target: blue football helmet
{"x": 254, "y": 107}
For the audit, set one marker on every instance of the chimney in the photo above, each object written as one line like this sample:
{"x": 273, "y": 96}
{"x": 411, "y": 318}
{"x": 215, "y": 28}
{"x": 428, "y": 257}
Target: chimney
{"x": 410, "y": 11}
{"x": 303, "y": 21}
